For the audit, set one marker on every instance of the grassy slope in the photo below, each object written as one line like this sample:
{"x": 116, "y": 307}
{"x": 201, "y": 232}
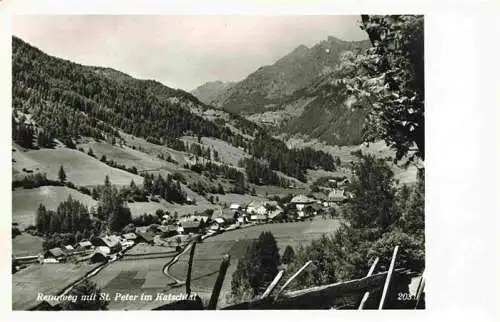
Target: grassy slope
{"x": 84, "y": 170}
{"x": 379, "y": 149}
{"x": 145, "y": 275}
{"x": 155, "y": 149}
{"x": 228, "y": 154}
{"x": 80, "y": 169}
{"x": 135, "y": 276}
{"x": 26, "y": 245}
{"x": 124, "y": 155}
{"x": 48, "y": 279}
{"x": 26, "y": 201}
{"x": 209, "y": 253}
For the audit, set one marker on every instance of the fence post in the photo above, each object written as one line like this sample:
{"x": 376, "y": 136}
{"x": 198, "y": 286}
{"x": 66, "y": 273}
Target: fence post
{"x": 214, "y": 298}
{"x": 292, "y": 278}
{"x": 388, "y": 279}
{"x": 190, "y": 266}
{"x": 420, "y": 289}
{"x": 273, "y": 284}
{"x": 367, "y": 294}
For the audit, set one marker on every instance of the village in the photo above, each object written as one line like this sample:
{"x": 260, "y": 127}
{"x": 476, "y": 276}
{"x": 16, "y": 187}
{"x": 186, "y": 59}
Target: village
{"x": 174, "y": 233}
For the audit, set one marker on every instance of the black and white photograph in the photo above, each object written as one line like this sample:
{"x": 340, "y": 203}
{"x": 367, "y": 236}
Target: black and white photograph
{"x": 220, "y": 162}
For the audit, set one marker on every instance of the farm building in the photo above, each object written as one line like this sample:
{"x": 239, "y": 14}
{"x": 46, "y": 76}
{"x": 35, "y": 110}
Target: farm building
{"x": 168, "y": 231}
{"x": 191, "y": 226}
{"x": 99, "y": 257}
{"x": 84, "y": 245}
{"x": 103, "y": 249}
{"x": 301, "y": 201}
{"x": 56, "y": 253}
{"x": 235, "y": 207}
{"x": 256, "y": 208}
{"x": 145, "y": 236}
{"x": 242, "y": 219}
{"x": 220, "y": 220}
{"x": 274, "y": 211}
{"x": 218, "y": 224}
{"x": 129, "y": 236}
{"x": 337, "y": 195}
{"x": 69, "y": 248}
{"x": 259, "y": 209}
{"x": 259, "y": 217}
{"x": 127, "y": 243}
{"x": 112, "y": 242}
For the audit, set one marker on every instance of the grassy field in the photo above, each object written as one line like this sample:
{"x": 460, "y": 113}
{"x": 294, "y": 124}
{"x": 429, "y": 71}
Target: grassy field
{"x": 209, "y": 253}
{"x": 230, "y": 198}
{"x": 26, "y": 245}
{"x": 25, "y": 202}
{"x": 124, "y": 155}
{"x": 155, "y": 149}
{"x": 379, "y": 149}
{"x": 227, "y": 153}
{"x": 279, "y": 191}
{"x": 80, "y": 169}
{"x": 139, "y": 208}
{"x": 48, "y": 279}
{"x": 135, "y": 275}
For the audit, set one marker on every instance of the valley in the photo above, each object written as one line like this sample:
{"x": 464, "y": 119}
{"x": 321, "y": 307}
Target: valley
{"x": 121, "y": 174}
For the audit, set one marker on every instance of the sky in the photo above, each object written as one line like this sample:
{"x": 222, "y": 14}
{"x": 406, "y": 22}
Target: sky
{"x": 180, "y": 51}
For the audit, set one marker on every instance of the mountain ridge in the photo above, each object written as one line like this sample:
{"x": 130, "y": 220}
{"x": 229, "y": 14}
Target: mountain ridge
{"x": 274, "y": 95}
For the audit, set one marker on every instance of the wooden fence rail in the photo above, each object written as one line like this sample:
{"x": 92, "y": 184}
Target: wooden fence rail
{"x": 318, "y": 297}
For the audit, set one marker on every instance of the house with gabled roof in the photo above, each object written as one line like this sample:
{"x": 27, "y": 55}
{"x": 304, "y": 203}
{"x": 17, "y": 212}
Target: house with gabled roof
{"x": 56, "y": 253}
{"x": 112, "y": 242}
{"x": 86, "y": 244}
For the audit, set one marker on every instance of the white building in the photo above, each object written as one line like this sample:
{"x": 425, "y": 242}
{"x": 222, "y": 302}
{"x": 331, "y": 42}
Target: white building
{"x": 301, "y": 201}
{"x": 235, "y": 206}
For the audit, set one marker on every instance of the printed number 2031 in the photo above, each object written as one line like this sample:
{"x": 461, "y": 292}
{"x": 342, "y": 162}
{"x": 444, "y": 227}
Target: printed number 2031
{"x": 405, "y": 297}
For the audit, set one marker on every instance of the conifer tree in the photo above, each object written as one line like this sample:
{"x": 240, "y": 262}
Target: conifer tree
{"x": 62, "y": 175}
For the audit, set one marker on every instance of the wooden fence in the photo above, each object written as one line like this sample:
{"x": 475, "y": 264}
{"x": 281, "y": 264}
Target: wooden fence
{"x": 318, "y": 297}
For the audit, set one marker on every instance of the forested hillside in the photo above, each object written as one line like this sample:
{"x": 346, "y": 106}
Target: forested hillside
{"x": 211, "y": 90}
{"x": 268, "y": 85}
{"x": 297, "y": 95}
{"x": 67, "y": 100}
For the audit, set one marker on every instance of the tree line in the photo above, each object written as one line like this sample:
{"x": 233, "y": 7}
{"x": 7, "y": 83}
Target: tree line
{"x": 259, "y": 173}
{"x": 292, "y": 162}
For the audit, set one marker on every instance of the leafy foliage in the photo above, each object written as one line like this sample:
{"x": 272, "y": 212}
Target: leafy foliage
{"x": 257, "y": 268}
{"x": 71, "y": 216}
{"x": 288, "y": 255}
{"x": 111, "y": 208}
{"x": 373, "y": 188}
{"x": 22, "y": 133}
{"x": 169, "y": 189}
{"x": 292, "y": 162}
{"x": 259, "y": 173}
{"x": 378, "y": 218}
{"x": 389, "y": 79}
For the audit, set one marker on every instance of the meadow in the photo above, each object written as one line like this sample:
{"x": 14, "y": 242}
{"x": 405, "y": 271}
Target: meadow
{"x": 26, "y": 245}
{"x": 48, "y": 279}
{"x": 137, "y": 274}
{"x": 25, "y": 202}
{"x": 81, "y": 169}
{"x": 124, "y": 155}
